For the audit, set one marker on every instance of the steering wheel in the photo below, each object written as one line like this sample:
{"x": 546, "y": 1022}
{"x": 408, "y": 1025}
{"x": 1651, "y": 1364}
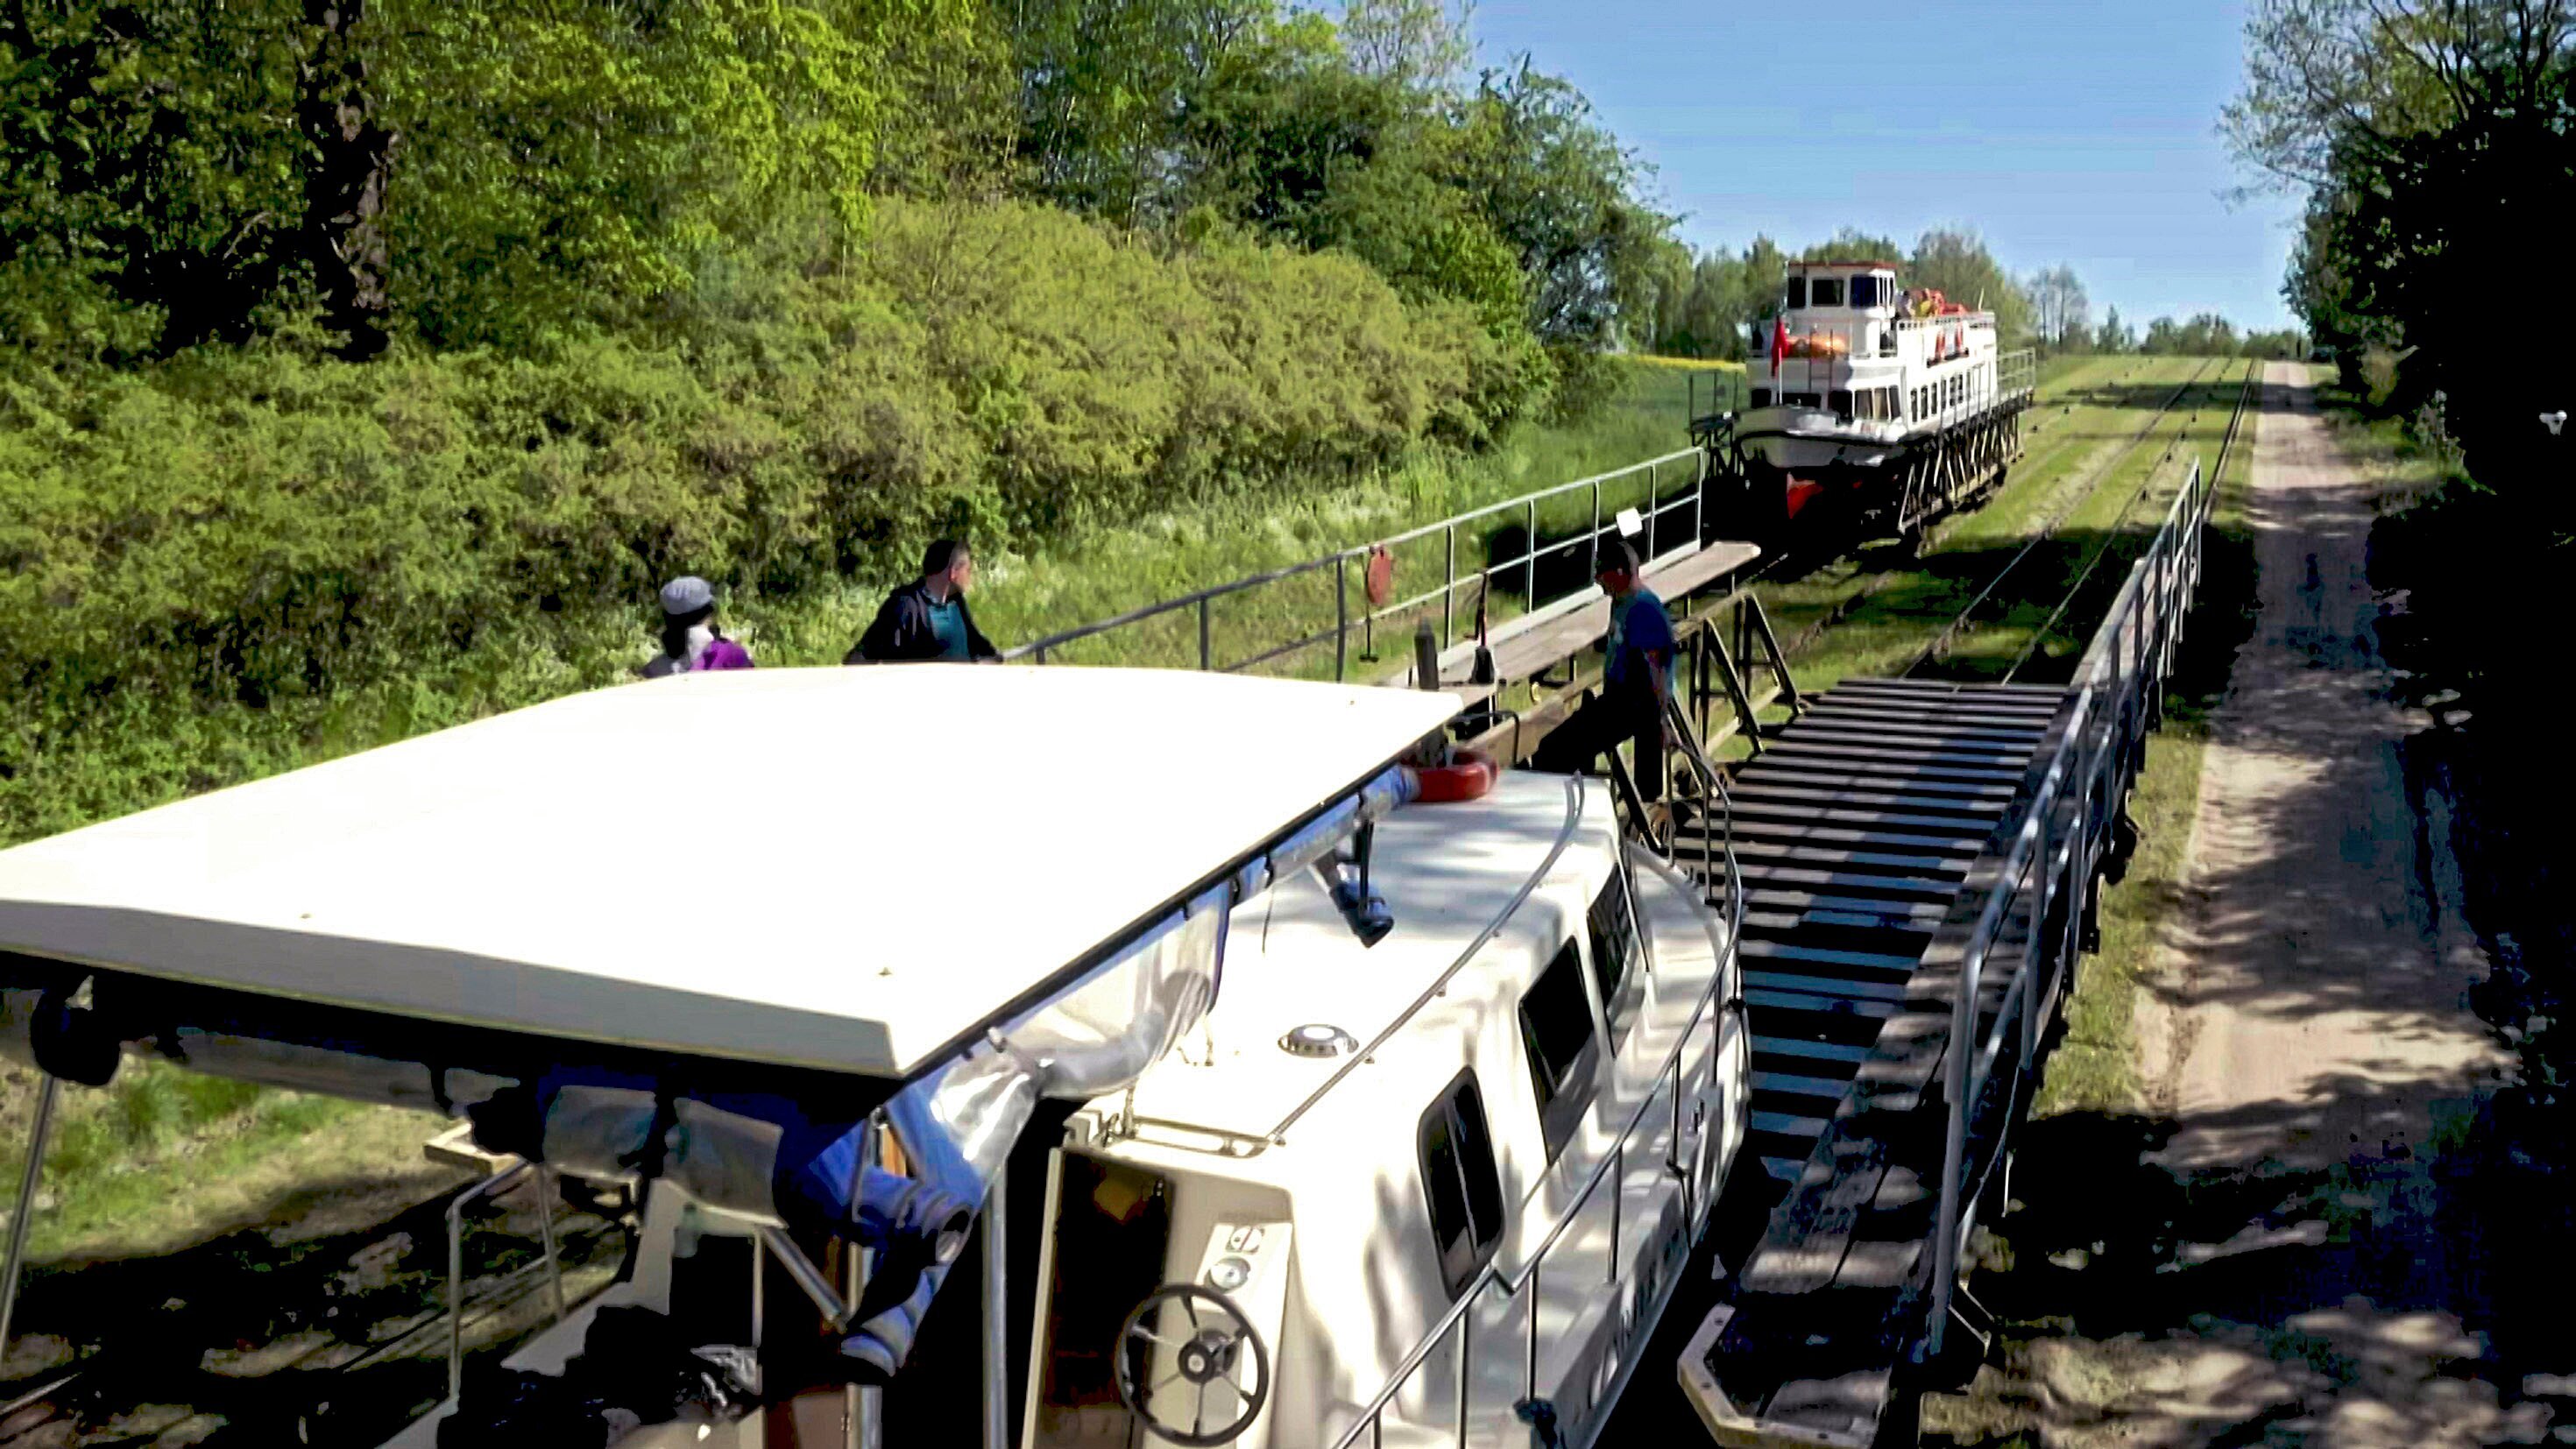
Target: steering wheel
{"x": 1175, "y": 1345}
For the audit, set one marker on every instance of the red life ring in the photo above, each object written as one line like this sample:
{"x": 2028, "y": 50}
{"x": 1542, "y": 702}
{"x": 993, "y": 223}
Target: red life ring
{"x": 1469, "y": 775}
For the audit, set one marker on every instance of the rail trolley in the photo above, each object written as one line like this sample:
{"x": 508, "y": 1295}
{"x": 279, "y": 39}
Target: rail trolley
{"x": 1869, "y": 403}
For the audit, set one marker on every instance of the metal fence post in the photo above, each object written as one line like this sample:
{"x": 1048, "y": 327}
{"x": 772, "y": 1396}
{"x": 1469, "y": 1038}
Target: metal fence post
{"x": 1529, "y": 561}
{"x": 1203, "y": 633}
{"x": 1595, "y": 560}
{"x": 1449, "y": 587}
{"x": 1341, "y": 617}
{"x": 1654, "y": 503}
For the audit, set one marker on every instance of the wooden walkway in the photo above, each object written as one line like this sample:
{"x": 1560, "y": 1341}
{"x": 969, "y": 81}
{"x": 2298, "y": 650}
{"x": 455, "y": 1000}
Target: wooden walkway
{"x": 1540, "y": 643}
{"x": 1857, "y": 829}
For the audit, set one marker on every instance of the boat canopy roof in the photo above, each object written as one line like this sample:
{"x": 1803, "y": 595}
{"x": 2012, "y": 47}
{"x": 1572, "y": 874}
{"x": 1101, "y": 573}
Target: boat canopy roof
{"x": 850, "y": 870}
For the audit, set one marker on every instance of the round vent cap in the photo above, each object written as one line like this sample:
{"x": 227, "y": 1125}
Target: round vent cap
{"x": 1318, "y": 1039}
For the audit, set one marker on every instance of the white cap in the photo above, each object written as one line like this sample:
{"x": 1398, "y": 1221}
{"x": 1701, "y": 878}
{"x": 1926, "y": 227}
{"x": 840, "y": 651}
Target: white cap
{"x": 686, "y": 595}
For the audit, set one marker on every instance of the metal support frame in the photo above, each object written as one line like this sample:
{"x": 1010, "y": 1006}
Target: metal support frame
{"x": 997, "y": 1313}
{"x": 491, "y": 1186}
{"x": 40, "y": 1135}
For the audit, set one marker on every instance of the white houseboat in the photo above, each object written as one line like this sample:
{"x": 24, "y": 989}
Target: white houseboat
{"x": 1339, "y": 1117}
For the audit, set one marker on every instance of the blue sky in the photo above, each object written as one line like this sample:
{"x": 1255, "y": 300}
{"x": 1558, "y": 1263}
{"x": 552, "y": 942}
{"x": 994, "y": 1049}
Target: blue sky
{"x": 2073, "y": 131}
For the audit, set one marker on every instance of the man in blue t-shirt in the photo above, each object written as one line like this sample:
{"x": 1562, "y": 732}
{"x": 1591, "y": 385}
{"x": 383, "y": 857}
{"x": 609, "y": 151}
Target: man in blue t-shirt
{"x": 1637, "y": 664}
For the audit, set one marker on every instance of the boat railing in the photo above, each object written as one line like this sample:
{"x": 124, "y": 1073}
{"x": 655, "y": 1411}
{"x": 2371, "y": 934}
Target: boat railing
{"x": 1283, "y": 612}
{"x": 1495, "y": 1286}
{"x": 2017, "y": 372}
{"x": 2078, "y": 797}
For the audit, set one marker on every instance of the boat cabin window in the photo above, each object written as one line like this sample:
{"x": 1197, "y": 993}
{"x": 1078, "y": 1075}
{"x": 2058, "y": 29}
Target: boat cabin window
{"x": 1564, "y": 1050}
{"x": 1465, "y": 1194}
{"x": 1865, "y": 292}
{"x": 1797, "y": 292}
{"x": 1825, "y": 292}
{"x": 1840, "y": 400}
{"x": 1617, "y": 953}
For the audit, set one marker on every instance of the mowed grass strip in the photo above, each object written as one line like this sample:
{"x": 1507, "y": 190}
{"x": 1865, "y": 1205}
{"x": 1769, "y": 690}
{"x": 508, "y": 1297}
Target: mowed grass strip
{"x": 2095, "y": 1067}
{"x": 1873, "y": 612}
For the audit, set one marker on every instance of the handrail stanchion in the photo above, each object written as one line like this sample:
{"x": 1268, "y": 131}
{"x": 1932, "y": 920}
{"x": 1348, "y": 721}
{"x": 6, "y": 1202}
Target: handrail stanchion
{"x": 1204, "y": 661}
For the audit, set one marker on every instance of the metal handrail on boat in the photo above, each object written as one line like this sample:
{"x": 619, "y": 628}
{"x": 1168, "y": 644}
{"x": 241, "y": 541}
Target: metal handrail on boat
{"x": 1440, "y": 983}
{"x": 1659, "y": 540}
{"x": 1370, "y": 1421}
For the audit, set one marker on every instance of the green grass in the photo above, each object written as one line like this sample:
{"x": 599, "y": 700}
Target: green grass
{"x": 126, "y": 1160}
{"x": 2095, "y": 1067}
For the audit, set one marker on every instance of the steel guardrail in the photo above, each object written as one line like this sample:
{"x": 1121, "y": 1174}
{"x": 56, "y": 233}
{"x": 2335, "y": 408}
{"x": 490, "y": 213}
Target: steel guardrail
{"x": 2086, "y": 779}
{"x": 1657, "y": 530}
{"x": 1370, "y": 1420}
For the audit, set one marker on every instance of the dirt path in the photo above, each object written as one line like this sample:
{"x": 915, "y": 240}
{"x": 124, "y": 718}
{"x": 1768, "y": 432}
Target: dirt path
{"x": 2287, "y": 1247}
{"x": 2313, "y": 1006}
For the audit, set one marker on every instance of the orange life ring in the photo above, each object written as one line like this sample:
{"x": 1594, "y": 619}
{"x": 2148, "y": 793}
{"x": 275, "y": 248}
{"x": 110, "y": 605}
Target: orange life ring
{"x": 1469, "y": 775}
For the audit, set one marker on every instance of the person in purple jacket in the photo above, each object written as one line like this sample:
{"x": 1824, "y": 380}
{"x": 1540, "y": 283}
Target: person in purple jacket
{"x": 690, "y": 640}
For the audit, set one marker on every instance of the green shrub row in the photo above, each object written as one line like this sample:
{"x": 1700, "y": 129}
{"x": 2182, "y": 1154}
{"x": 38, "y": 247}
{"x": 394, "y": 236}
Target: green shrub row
{"x": 240, "y": 524}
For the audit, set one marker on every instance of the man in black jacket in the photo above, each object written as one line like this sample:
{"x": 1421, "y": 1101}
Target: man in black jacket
{"x": 928, "y": 618}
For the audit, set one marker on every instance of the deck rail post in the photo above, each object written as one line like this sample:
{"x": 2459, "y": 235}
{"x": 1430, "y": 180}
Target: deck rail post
{"x": 1203, "y": 634}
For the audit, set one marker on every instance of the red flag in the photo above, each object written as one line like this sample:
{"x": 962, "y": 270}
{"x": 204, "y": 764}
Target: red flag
{"x": 1779, "y": 342}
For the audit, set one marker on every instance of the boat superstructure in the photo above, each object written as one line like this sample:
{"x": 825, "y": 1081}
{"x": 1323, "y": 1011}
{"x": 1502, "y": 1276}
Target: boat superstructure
{"x": 1861, "y": 386}
{"x": 1258, "y": 1081}
{"x": 1493, "y": 1134}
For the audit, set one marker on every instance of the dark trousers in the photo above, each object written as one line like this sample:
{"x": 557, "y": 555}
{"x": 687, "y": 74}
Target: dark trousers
{"x": 1627, "y": 711}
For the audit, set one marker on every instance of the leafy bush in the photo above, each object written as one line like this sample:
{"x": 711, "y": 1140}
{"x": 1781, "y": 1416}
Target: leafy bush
{"x": 246, "y": 524}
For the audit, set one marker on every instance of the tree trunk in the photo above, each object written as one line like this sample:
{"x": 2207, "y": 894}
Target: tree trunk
{"x": 350, "y": 160}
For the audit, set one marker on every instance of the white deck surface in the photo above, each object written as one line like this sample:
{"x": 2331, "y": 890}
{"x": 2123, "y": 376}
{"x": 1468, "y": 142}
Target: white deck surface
{"x": 835, "y": 868}
{"x": 1447, "y": 871}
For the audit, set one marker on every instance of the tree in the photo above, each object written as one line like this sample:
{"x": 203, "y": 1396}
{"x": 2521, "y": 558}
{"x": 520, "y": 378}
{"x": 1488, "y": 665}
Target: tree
{"x": 2063, "y": 312}
{"x": 1851, "y": 244}
{"x": 2434, "y": 139}
{"x": 1106, "y": 87}
{"x": 2114, "y": 335}
{"x": 1411, "y": 43}
{"x": 1558, "y": 188}
{"x": 1956, "y": 263}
